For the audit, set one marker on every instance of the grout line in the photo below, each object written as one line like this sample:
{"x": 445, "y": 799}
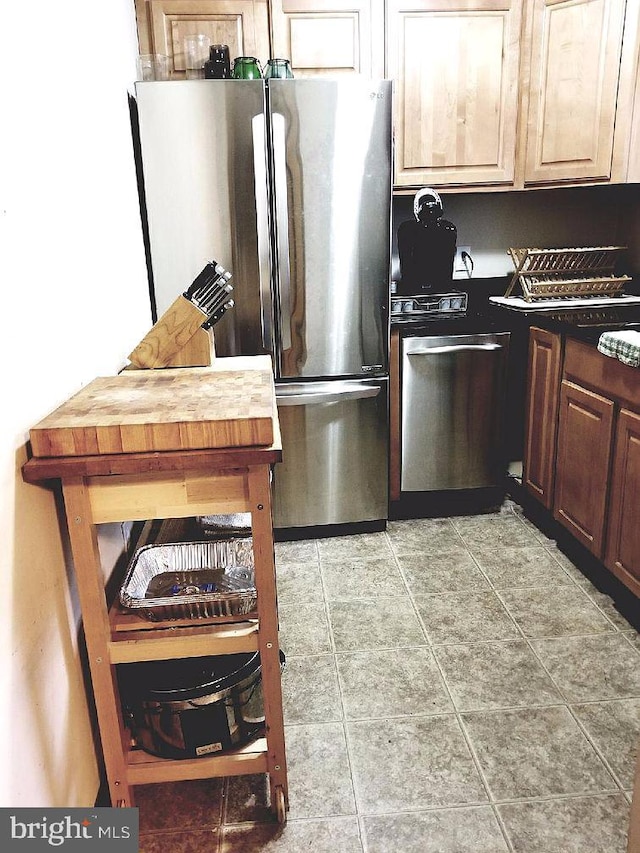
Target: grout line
{"x": 630, "y": 641}
{"x": 521, "y": 637}
{"x": 485, "y": 805}
{"x": 567, "y": 703}
{"x": 597, "y": 750}
{"x": 343, "y": 721}
{"x": 445, "y": 684}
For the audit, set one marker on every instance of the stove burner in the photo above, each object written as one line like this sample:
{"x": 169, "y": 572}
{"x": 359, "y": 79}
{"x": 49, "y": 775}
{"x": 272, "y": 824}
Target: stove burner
{"x": 404, "y": 309}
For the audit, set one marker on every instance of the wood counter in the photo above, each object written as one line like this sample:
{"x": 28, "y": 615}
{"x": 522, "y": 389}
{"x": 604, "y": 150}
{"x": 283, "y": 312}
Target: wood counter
{"x": 230, "y": 404}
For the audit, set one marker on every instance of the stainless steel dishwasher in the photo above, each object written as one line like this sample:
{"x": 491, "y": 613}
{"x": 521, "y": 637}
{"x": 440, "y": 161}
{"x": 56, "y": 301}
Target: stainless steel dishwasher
{"x": 452, "y": 423}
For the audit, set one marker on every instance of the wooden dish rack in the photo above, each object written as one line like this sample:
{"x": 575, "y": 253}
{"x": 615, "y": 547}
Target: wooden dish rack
{"x": 558, "y": 273}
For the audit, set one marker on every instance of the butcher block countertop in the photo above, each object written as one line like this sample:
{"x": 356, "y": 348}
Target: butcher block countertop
{"x": 228, "y": 405}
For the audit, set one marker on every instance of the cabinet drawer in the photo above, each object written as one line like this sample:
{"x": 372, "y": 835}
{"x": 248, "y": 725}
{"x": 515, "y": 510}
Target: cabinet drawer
{"x": 585, "y": 365}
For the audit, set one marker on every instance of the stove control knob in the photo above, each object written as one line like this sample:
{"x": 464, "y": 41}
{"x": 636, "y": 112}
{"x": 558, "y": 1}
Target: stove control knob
{"x": 407, "y": 306}
{"x": 456, "y": 303}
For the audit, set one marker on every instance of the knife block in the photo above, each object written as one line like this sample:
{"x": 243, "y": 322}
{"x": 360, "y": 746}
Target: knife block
{"x": 176, "y": 340}
{"x": 199, "y": 351}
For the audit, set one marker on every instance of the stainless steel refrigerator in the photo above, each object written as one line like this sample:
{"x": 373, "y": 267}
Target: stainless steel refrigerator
{"x": 287, "y": 184}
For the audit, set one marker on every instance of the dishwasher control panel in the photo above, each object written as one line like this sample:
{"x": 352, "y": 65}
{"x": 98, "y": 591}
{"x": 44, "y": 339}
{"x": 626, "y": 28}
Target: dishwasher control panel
{"x": 404, "y": 309}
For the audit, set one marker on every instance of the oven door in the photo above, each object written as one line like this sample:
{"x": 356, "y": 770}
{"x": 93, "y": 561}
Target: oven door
{"x": 453, "y": 408}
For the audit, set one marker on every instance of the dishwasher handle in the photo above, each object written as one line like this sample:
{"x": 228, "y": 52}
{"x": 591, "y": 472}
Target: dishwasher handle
{"x": 359, "y": 392}
{"x": 456, "y": 348}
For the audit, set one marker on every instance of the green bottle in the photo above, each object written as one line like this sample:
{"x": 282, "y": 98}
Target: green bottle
{"x": 246, "y": 68}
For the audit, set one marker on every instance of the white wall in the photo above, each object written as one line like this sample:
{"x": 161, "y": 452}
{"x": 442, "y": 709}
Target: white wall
{"x": 75, "y": 303}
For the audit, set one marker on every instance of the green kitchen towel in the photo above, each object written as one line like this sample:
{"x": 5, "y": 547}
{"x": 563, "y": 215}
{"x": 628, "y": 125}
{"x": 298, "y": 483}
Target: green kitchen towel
{"x": 623, "y": 345}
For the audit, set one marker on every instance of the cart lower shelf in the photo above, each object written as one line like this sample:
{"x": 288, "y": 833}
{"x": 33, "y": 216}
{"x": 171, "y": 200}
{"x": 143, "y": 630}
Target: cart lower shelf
{"x": 145, "y": 769}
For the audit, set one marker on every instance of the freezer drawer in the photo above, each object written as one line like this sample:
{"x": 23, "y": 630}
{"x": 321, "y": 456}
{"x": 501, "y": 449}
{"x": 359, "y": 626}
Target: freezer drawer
{"x": 453, "y": 398}
{"x": 335, "y": 449}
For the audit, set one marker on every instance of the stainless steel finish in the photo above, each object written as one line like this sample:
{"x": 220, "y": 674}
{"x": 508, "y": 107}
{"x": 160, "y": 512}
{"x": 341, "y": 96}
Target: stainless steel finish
{"x": 334, "y": 467}
{"x": 288, "y": 184}
{"x": 455, "y": 348}
{"x": 325, "y": 392}
{"x": 338, "y": 176}
{"x": 282, "y": 270}
{"x": 453, "y": 390}
{"x": 197, "y": 143}
{"x": 262, "y": 223}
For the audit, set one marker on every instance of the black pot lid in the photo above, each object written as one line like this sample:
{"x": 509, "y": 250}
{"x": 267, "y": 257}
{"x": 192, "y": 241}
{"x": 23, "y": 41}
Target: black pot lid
{"x": 188, "y": 678}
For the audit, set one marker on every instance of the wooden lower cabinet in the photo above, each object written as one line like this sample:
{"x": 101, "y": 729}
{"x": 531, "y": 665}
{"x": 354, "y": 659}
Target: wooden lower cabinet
{"x": 582, "y": 447}
{"x": 541, "y": 418}
{"x": 585, "y": 432}
{"x": 623, "y": 537}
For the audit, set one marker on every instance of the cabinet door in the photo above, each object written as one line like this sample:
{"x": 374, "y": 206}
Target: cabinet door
{"x": 623, "y": 535}
{"x": 585, "y": 432}
{"x": 543, "y": 394}
{"x": 329, "y": 36}
{"x": 241, "y": 24}
{"x": 575, "y": 70}
{"x": 456, "y": 66}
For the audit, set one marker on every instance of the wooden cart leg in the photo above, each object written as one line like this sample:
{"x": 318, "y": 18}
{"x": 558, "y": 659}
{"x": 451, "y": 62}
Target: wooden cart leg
{"x": 88, "y": 570}
{"x": 260, "y": 499}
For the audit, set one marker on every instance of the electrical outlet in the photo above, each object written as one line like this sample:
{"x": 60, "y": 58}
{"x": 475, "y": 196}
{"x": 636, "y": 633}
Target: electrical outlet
{"x": 459, "y": 264}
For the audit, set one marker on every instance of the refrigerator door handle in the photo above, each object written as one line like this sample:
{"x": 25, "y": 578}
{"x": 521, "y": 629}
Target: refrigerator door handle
{"x": 262, "y": 221}
{"x": 282, "y": 226}
{"x": 339, "y": 395}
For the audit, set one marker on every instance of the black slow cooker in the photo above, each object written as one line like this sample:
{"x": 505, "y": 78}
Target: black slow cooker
{"x": 193, "y": 707}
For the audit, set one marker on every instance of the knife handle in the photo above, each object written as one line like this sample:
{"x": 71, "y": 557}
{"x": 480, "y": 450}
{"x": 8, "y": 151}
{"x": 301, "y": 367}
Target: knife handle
{"x": 209, "y": 273}
{"x": 217, "y": 315}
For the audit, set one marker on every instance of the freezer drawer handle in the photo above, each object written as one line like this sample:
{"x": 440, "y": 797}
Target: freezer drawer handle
{"x": 461, "y": 348}
{"x": 313, "y": 399}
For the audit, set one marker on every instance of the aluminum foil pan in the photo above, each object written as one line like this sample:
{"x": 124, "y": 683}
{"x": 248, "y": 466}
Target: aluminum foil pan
{"x": 191, "y": 580}
{"x": 224, "y": 526}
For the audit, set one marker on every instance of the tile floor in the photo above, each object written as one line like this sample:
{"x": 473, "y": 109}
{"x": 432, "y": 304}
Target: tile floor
{"x": 453, "y": 685}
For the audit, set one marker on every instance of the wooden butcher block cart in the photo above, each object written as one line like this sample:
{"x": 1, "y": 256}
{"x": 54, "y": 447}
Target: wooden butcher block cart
{"x": 177, "y": 443}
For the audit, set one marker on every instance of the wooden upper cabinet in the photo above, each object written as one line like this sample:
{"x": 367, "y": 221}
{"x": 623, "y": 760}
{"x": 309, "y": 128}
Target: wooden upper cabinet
{"x": 333, "y": 37}
{"x": 241, "y": 24}
{"x": 456, "y": 68}
{"x": 574, "y": 79}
